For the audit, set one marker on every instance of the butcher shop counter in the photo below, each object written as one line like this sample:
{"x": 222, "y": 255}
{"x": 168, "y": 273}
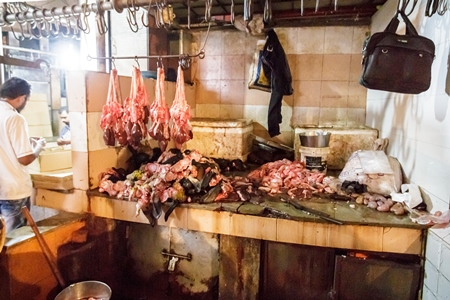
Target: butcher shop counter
{"x": 269, "y": 219}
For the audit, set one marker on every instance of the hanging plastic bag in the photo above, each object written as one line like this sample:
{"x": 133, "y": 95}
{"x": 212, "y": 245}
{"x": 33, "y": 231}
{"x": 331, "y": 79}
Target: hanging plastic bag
{"x": 259, "y": 72}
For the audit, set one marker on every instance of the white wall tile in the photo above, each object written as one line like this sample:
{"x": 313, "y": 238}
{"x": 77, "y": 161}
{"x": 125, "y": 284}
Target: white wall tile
{"x": 288, "y": 39}
{"x": 207, "y": 110}
{"x": 359, "y": 35}
{"x": 310, "y": 40}
{"x": 443, "y": 288}
{"x": 433, "y": 249}
{"x": 427, "y": 294}
{"x": 444, "y": 263}
{"x": 431, "y": 277}
{"x": 338, "y": 40}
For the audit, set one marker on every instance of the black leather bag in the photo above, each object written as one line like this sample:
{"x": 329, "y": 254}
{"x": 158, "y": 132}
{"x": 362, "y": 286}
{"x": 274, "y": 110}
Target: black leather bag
{"x": 397, "y": 63}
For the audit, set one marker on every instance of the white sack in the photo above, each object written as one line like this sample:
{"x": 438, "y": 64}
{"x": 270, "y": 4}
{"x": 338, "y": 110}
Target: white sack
{"x": 380, "y": 173}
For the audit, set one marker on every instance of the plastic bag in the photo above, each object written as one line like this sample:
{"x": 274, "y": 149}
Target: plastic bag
{"x": 373, "y": 168}
{"x": 259, "y": 72}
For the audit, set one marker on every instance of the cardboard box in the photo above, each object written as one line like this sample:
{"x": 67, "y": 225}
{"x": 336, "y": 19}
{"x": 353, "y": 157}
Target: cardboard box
{"x": 52, "y": 160}
{"x": 229, "y": 139}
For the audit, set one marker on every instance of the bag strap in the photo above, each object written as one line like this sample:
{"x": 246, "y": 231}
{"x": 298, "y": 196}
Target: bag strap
{"x": 393, "y": 24}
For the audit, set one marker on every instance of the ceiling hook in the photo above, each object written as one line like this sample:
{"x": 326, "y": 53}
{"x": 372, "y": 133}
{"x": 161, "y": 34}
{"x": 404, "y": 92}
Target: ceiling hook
{"x": 113, "y": 61}
{"x": 137, "y": 62}
{"x": 19, "y": 37}
{"x": 148, "y": 15}
{"x": 85, "y": 28}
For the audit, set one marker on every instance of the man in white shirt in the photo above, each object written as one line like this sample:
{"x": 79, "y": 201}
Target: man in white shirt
{"x": 17, "y": 150}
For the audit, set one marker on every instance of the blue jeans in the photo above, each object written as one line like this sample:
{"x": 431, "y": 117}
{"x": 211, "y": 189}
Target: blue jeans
{"x": 11, "y": 211}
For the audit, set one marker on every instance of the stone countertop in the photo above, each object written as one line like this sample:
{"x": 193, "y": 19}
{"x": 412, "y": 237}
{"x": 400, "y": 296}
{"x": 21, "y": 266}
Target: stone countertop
{"x": 349, "y": 213}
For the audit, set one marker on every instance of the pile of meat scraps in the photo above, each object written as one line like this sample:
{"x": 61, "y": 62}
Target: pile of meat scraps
{"x": 182, "y": 175}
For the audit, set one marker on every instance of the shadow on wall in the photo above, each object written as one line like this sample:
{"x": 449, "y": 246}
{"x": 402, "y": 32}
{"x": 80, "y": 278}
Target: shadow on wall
{"x": 21, "y": 287}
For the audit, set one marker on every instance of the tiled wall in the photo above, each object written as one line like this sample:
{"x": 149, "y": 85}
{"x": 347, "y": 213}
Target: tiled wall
{"x": 418, "y": 127}
{"x": 325, "y": 63}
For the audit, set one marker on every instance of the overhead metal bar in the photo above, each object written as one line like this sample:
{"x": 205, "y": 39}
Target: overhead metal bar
{"x": 98, "y": 7}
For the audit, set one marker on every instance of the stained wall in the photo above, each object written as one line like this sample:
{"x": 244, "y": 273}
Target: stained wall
{"x": 325, "y": 64}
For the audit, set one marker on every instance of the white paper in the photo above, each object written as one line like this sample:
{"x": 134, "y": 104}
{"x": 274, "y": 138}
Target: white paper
{"x": 374, "y": 162}
{"x": 410, "y": 195}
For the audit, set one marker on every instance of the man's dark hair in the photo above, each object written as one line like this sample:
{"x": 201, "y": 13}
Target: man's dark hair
{"x": 15, "y": 87}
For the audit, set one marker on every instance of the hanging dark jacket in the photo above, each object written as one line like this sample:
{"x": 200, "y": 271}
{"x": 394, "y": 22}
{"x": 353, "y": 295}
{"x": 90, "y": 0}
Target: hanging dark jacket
{"x": 280, "y": 78}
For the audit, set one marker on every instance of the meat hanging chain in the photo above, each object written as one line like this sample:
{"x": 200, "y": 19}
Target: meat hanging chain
{"x": 112, "y": 112}
{"x": 181, "y": 129}
{"x": 160, "y": 114}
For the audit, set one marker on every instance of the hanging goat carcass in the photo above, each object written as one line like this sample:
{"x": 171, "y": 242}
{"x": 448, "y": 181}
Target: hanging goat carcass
{"x": 181, "y": 129}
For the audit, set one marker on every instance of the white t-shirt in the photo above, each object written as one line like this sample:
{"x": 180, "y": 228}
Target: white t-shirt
{"x": 15, "y": 181}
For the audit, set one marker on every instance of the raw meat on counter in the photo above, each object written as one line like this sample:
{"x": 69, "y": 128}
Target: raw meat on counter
{"x": 181, "y": 129}
{"x": 111, "y": 120}
{"x": 191, "y": 177}
{"x": 159, "y": 113}
{"x": 290, "y": 176}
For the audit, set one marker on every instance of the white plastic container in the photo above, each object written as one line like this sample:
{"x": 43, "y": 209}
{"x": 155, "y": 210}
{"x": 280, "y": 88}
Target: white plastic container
{"x": 315, "y": 158}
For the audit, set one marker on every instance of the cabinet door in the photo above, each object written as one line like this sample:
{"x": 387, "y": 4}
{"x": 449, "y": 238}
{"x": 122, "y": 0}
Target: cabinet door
{"x": 296, "y": 272}
{"x": 375, "y": 279}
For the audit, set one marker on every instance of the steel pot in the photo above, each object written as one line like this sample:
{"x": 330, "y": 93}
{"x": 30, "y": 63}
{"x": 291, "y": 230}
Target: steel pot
{"x": 85, "y": 290}
{"x": 315, "y": 139}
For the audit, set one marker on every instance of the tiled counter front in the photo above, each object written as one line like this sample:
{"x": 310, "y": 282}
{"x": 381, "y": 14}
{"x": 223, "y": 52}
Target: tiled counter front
{"x": 209, "y": 218}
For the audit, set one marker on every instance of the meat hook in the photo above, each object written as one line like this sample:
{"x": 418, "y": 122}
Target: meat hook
{"x": 131, "y": 16}
{"x": 20, "y": 37}
{"x": 148, "y": 15}
{"x": 208, "y": 5}
{"x": 113, "y": 61}
{"x": 248, "y": 10}
{"x": 189, "y": 14}
{"x": 85, "y": 28}
{"x": 158, "y": 62}
{"x": 100, "y": 18}
{"x": 37, "y": 26}
{"x": 267, "y": 11}
{"x": 57, "y": 20}
{"x": 137, "y": 62}
{"x": 232, "y": 12}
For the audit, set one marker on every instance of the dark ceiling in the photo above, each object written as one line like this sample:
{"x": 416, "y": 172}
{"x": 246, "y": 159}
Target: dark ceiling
{"x": 284, "y": 13}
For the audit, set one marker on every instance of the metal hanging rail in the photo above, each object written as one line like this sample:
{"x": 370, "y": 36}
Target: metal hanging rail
{"x": 98, "y": 7}
{"x": 200, "y": 55}
{"x": 183, "y": 59}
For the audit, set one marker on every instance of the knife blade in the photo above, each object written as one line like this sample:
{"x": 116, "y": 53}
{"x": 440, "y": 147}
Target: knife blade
{"x": 314, "y": 212}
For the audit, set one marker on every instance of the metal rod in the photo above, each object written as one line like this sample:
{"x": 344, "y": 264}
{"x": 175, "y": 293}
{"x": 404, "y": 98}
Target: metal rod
{"x": 29, "y": 50}
{"x": 59, "y": 11}
{"x": 187, "y": 257}
{"x": 117, "y": 5}
{"x": 200, "y": 55}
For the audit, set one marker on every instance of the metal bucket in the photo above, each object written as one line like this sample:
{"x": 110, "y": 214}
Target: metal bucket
{"x": 315, "y": 139}
{"x": 85, "y": 290}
